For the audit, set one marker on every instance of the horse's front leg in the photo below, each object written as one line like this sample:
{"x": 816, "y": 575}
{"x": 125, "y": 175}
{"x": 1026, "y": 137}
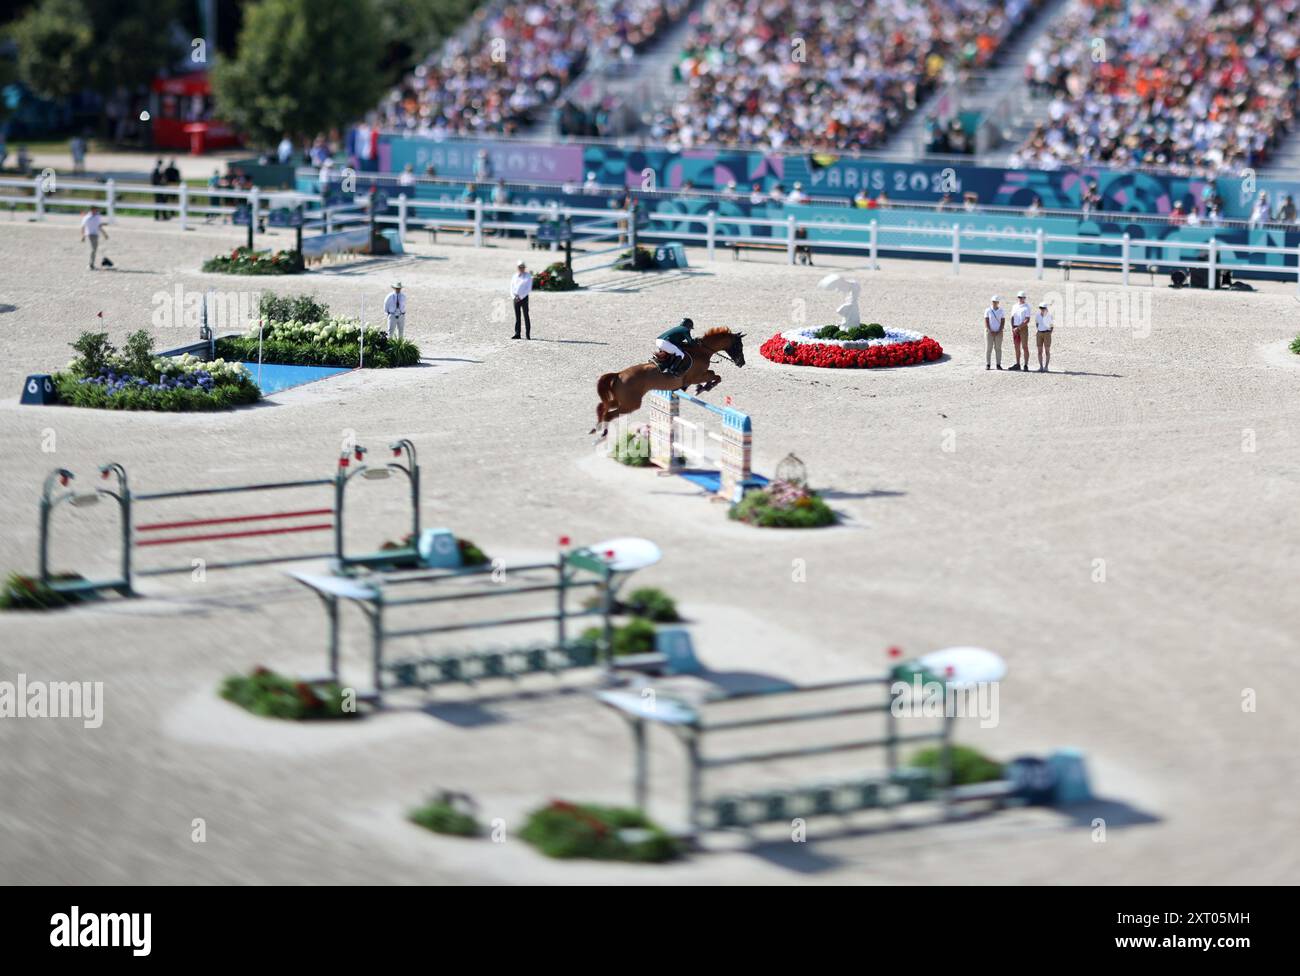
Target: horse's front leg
{"x": 707, "y": 382}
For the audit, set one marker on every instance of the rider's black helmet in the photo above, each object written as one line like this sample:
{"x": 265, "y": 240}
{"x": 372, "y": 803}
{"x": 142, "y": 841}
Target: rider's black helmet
{"x": 687, "y": 324}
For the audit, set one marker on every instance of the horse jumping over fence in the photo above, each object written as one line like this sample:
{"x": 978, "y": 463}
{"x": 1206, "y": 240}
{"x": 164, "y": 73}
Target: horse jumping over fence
{"x": 621, "y": 393}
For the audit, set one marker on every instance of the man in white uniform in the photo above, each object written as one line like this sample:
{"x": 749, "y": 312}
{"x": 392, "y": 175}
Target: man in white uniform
{"x": 395, "y": 309}
{"x": 92, "y": 225}
{"x": 1043, "y": 327}
{"x": 993, "y": 319}
{"x": 521, "y": 286}
{"x": 1020, "y": 316}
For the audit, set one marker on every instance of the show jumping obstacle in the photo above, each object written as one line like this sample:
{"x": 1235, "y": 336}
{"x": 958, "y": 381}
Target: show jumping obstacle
{"x": 215, "y": 527}
{"x": 669, "y": 450}
{"x": 957, "y": 667}
{"x": 603, "y": 567}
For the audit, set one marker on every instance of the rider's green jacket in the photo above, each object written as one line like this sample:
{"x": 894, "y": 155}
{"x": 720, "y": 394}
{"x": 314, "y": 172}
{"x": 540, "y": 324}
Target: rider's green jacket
{"x": 678, "y": 335}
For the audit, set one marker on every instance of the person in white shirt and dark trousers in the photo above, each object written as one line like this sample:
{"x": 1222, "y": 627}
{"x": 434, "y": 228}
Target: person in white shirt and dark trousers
{"x": 521, "y": 286}
{"x": 92, "y": 225}
{"x": 1043, "y": 327}
{"x": 395, "y": 309}
{"x": 993, "y": 319}
{"x": 1021, "y": 313}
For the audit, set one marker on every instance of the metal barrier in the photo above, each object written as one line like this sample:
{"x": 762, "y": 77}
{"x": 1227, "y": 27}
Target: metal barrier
{"x": 603, "y": 567}
{"x": 214, "y": 528}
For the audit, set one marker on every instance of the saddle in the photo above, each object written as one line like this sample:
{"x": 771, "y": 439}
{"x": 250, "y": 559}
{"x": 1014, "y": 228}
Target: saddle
{"x": 671, "y": 365}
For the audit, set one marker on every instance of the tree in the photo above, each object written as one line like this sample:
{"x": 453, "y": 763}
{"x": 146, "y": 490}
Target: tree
{"x": 301, "y": 68}
{"x": 411, "y": 29}
{"x": 69, "y": 46}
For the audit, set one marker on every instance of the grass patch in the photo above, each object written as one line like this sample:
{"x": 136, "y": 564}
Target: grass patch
{"x": 271, "y": 695}
{"x": 573, "y": 830}
{"x": 968, "y": 765}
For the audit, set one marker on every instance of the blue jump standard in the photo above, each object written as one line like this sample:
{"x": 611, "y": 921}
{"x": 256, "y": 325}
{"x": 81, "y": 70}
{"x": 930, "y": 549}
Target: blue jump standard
{"x": 276, "y": 376}
{"x": 711, "y": 480}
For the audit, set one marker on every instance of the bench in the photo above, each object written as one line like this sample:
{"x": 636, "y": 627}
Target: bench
{"x": 433, "y": 229}
{"x": 802, "y": 252}
{"x": 1067, "y": 265}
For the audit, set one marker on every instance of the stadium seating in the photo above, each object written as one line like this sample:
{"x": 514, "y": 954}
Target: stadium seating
{"x": 1190, "y": 85}
{"x": 824, "y": 74}
{"x": 514, "y": 59}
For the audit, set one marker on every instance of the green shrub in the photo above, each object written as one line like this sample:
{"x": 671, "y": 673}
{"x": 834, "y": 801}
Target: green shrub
{"x": 769, "y": 509}
{"x": 291, "y": 308}
{"x": 828, "y": 332}
{"x": 1295, "y": 345}
{"x": 381, "y": 352}
{"x": 569, "y": 830}
{"x": 554, "y": 277}
{"x": 78, "y": 392}
{"x": 448, "y": 813}
{"x": 265, "y": 693}
{"x": 137, "y": 356}
{"x": 29, "y": 593}
{"x": 246, "y": 261}
{"x": 470, "y": 554}
{"x": 968, "y": 765}
{"x": 636, "y": 259}
{"x": 873, "y": 330}
{"x": 94, "y": 352}
{"x": 633, "y": 448}
{"x": 652, "y": 604}
{"x": 637, "y": 636}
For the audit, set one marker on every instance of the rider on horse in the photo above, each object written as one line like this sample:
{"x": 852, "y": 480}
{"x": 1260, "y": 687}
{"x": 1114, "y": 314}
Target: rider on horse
{"x": 671, "y": 359}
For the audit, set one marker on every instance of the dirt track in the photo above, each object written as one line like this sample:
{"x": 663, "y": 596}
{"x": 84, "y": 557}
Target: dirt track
{"x": 977, "y": 506}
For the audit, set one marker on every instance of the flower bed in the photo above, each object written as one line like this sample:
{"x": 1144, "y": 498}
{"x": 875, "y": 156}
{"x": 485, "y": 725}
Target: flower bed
{"x": 569, "y": 830}
{"x": 101, "y": 378}
{"x": 637, "y": 259}
{"x": 897, "y": 347}
{"x": 271, "y": 695}
{"x": 246, "y": 261}
{"x": 298, "y": 330}
{"x": 783, "y": 505}
{"x": 554, "y": 277}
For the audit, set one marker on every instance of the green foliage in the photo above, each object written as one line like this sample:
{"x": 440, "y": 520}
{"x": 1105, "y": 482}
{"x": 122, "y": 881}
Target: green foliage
{"x": 245, "y": 261}
{"x": 271, "y": 695}
{"x": 871, "y": 330}
{"x": 412, "y": 28}
{"x": 633, "y": 448}
{"x": 569, "y": 830}
{"x": 29, "y": 593}
{"x": 652, "y": 604}
{"x": 470, "y": 554}
{"x": 380, "y": 354}
{"x": 74, "y": 393}
{"x": 448, "y": 813}
{"x": 637, "y": 636}
{"x": 968, "y": 765}
{"x": 301, "y": 68}
{"x": 764, "y": 508}
{"x": 292, "y": 308}
{"x": 554, "y": 277}
{"x": 137, "y": 357}
{"x": 94, "y": 352}
{"x": 67, "y": 46}
{"x": 1295, "y": 345}
{"x": 637, "y": 259}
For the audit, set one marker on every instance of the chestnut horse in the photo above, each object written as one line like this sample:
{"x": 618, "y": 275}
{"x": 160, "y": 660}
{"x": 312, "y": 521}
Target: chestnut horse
{"x": 621, "y": 393}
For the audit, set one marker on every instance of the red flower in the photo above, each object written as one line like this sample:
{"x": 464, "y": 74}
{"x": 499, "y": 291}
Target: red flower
{"x": 780, "y": 350}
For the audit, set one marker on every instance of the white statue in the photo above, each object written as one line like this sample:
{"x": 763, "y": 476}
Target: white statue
{"x": 849, "y": 315}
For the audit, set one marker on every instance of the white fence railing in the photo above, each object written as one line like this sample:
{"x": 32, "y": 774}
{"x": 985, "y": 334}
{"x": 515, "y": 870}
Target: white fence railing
{"x": 481, "y": 217}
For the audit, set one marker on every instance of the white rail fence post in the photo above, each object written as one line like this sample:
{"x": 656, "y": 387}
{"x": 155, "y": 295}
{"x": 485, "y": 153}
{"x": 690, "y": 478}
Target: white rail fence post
{"x": 631, "y": 227}
{"x": 789, "y": 238}
{"x": 956, "y": 249}
{"x": 401, "y": 217}
{"x": 185, "y": 206}
{"x": 478, "y": 222}
{"x": 254, "y": 201}
{"x": 1214, "y": 264}
{"x": 110, "y": 200}
{"x": 875, "y": 245}
{"x": 40, "y": 199}
{"x": 1125, "y": 257}
{"x": 1038, "y": 254}
{"x": 712, "y": 231}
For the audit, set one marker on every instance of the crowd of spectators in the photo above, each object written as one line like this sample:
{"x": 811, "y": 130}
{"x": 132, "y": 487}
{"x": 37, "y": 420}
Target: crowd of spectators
{"x": 513, "y": 59}
{"x": 823, "y": 74}
{"x": 1196, "y": 86}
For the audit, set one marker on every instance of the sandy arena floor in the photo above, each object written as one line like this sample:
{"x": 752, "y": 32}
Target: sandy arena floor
{"x": 977, "y": 507}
